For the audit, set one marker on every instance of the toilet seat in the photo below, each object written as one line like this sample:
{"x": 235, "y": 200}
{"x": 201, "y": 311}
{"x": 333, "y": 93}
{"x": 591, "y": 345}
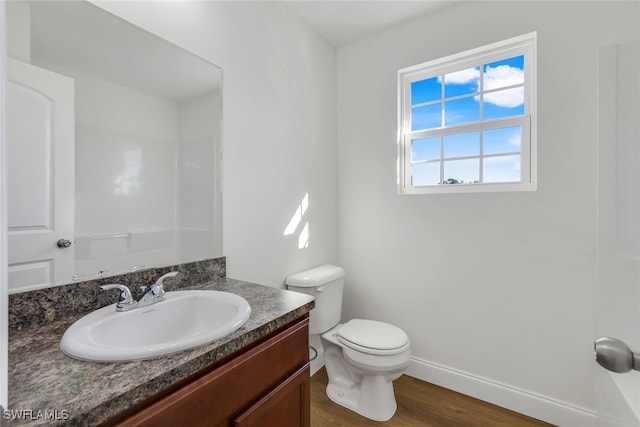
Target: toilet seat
{"x": 373, "y": 337}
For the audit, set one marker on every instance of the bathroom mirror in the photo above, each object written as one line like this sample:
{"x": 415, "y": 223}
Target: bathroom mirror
{"x": 138, "y": 186}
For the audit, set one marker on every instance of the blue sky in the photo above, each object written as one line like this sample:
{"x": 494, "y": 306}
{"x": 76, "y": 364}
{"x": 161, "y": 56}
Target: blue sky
{"x": 452, "y": 99}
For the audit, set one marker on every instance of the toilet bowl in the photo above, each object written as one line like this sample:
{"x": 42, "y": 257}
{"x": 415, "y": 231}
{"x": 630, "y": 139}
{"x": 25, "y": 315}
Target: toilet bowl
{"x": 362, "y": 357}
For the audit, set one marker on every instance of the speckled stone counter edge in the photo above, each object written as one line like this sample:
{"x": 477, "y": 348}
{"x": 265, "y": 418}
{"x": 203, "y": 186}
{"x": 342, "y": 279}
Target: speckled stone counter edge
{"x": 61, "y": 302}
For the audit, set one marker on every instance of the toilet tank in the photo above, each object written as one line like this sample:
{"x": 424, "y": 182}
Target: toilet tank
{"x": 325, "y": 283}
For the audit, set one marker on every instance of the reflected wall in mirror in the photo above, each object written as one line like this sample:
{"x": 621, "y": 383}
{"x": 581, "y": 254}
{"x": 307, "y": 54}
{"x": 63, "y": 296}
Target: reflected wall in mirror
{"x": 113, "y": 146}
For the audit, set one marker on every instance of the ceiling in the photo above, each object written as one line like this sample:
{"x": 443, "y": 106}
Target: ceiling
{"x": 80, "y": 36}
{"x": 344, "y": 22}
{"x": 70, "y": 35}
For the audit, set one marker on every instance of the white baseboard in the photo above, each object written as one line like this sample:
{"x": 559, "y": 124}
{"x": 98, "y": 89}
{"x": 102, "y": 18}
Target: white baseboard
{"x": 522, "y": 401}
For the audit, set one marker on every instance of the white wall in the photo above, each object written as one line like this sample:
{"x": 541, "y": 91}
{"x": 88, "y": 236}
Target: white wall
{"x": 496, "y": 291}
{"x": 279, "y": 139}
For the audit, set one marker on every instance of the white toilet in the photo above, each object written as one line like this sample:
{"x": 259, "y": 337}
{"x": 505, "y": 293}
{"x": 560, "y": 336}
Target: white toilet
{"x": 362, "y": 357}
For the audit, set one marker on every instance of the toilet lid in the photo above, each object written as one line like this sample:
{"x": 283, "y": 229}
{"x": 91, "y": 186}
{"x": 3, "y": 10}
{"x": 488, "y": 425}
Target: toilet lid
{"x": 371, "y": 334}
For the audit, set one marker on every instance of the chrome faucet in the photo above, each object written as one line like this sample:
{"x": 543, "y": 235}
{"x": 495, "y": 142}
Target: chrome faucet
{"x": 155, "y": 292}
{"x": 152, "y": 294}
{"x": 126, "y": 301}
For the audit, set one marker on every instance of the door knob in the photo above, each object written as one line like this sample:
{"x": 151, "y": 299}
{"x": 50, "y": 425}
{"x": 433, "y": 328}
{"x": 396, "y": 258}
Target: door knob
{"x": 615, "y": 355}
{"x": 63, "y": 243}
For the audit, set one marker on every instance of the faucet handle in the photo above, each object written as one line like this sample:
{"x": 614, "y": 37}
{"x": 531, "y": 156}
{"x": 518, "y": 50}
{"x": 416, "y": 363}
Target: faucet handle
{"x": 166, "y": 276}
{"x": 126, "y": 299}
{"x": 160, "y": 282}
{"x": 154, "y": 293}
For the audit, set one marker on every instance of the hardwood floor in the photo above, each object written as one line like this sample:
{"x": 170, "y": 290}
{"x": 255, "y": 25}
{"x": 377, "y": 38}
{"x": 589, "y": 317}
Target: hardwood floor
{"x": 420, "y": 404}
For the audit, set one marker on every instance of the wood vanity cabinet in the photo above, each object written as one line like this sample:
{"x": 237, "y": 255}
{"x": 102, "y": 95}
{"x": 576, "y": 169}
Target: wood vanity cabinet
{"x": 266, "y": 385}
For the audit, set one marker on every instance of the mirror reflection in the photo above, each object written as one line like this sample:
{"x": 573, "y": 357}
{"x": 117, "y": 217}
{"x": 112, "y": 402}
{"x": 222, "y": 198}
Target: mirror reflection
{"x": 113, "y": 147}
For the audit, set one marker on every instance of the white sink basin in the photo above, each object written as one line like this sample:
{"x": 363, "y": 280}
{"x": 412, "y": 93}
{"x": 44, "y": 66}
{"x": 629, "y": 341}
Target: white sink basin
{"x": 185, "y": 319}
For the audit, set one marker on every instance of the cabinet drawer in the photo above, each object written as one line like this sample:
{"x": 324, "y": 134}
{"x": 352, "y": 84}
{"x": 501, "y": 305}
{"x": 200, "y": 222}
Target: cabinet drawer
{"x": 286, "y": 405}
{"x": 216, "y": 397}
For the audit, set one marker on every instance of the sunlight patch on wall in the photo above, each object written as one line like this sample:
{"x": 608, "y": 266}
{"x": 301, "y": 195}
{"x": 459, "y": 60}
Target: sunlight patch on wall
{"x": 297, "y": 216}
{"x": 296, "y": 220}
{"x": 303, "y": 238}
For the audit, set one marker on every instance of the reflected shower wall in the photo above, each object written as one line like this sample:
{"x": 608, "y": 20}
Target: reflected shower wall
{"x": 145, "y": 180}
{"x": 200, "y": 204}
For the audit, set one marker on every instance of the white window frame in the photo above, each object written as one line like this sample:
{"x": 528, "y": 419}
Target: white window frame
{"x": 521, "y": 45}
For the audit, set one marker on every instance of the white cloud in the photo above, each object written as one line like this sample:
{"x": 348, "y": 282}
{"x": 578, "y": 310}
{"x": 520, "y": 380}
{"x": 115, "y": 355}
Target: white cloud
{"x": 463, "y": 76}
{"x": 494, "y": 78}
{"x": 502, "y": 76}
{"x": 506, "y": 98}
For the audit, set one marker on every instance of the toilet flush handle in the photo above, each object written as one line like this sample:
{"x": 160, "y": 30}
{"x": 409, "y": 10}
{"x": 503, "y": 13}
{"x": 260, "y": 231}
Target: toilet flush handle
{"x": 320, "y": 289}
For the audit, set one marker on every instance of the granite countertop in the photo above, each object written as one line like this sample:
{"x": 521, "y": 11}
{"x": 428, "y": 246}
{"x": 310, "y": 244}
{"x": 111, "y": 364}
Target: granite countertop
{"x": 42, "y": 378}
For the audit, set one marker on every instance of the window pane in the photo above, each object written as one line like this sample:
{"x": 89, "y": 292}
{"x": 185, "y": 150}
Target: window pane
{"x": 507, "y": 72}
{"x": 504, "y": 103}
{"x": 425, "y": 149}
{"x": 462, "y": 171}
{"x": 466, "y": 122}
{"x": 461, "y": 111}
{"x": 460, "y": 145}
{"x": 426, "y": 117}
{"x": 502, "y": 169}
{"x": 425, "y": 174}
{"x": 503, "y": 140}
{"x": 462, "y": 82}
{"x": 425, "y": 91}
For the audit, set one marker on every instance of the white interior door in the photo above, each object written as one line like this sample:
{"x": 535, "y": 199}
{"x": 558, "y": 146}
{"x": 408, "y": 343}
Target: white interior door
{"x": 40, "y": 176}
{"x": 618, "y": 309}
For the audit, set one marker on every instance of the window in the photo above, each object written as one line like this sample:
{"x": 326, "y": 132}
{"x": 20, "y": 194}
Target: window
{"x": 467, "y": 122}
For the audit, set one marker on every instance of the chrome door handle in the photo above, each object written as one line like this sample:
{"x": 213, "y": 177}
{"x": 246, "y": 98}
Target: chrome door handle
{"x": 615, "y": 355}
{"x": 63, "y": 243}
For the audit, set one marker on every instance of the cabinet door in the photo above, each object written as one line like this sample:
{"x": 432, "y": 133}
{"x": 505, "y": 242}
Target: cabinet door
{"x": 215, "y": 398}
{"x": 286, "y": 405}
